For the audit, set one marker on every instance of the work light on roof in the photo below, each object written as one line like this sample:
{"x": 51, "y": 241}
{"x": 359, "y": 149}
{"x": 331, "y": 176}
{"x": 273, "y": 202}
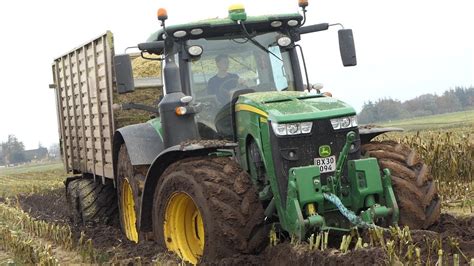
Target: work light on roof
{"x": 292, "y": 22}
{"x": 179, "y": 33}
{"x": 195, "y": 50}
{"x": 276, "y": 24}
{"x": 196, "y": 31}
{"x": 284, "y": 41}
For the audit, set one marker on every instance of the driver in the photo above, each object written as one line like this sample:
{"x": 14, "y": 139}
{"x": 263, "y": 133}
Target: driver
{"x": 221, "y": 84}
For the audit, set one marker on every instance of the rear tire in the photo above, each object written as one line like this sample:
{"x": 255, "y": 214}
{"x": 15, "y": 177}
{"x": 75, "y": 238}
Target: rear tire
{"x": 127, "y": 194}
{"x": 91, "y": 202}
{"x": 222, "y": 205}
{"x": 415, "y": 191}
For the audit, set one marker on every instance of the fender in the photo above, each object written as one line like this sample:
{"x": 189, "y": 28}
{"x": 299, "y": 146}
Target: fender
{"x": 165, "y": 159}
{"x": 368, "y": 132}
{"x": 143, "y": 144}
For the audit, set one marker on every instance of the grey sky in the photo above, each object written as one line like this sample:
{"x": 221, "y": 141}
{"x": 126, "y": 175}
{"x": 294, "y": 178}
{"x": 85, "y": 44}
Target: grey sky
{"x": 404, "y": 48}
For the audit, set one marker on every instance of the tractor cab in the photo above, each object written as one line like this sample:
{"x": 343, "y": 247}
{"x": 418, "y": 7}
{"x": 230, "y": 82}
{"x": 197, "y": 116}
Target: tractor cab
{"x": 215, "y": 61}
{"x": 220, "y": 59}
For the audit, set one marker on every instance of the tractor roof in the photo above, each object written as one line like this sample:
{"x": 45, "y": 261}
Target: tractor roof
{"x": 224, "y": 26}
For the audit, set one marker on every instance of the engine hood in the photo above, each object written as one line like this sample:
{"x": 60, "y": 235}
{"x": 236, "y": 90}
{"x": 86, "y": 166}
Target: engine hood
{"x": 292, "y": 106}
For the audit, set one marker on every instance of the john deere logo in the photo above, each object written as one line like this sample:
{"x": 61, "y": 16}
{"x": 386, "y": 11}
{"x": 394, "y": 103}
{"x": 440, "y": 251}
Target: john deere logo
{"x": 324, "y": 151}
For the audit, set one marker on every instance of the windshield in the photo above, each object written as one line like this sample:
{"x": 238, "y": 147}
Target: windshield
{"x": 232, "y": 64}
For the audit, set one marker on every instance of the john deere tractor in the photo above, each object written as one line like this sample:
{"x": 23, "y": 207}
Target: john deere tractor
{"x": 243, "y": 142}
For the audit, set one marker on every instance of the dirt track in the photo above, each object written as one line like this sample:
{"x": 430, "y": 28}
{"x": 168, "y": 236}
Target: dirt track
{"x": 109, "y": 240}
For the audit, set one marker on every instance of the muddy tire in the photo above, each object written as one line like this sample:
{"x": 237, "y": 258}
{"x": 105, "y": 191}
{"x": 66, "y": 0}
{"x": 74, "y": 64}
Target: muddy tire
{"x": 91, "y": 202}
{"x": 127, "y": 194}
{"x": 414, "y": 188}
{"x": 228, "y": 217}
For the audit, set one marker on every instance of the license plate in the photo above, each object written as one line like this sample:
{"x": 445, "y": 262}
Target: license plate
{"x": 326, "y": 165}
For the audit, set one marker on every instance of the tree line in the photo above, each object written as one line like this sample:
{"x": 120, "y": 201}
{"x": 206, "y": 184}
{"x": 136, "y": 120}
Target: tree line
{"x": 13, "y": 152}
{"x": 453, "y": 100}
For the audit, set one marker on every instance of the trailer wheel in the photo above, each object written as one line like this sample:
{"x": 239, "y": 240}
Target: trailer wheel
{"x": 415, "y": 191}
{"x": 91, "y": 202}
{"x": 206, "y": 208}
{"x": 126, "y": 194}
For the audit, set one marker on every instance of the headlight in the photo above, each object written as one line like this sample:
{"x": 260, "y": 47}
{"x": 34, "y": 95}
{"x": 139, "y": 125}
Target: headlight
{"x": 344, "y": 122}
{"x": 292, "y": 128}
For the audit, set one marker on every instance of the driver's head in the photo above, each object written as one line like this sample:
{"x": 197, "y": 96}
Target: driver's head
{"x": 222, "y": 62}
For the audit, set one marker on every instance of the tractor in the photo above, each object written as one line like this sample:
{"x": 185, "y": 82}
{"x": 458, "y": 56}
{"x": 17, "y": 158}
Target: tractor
{"x": 242, "y": 142}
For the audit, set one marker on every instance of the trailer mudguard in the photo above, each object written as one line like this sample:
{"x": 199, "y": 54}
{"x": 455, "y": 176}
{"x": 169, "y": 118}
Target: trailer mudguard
{"x": 368, "y": 132}
{"x": 143, "y": 144}
{"x": 166, "y": 158}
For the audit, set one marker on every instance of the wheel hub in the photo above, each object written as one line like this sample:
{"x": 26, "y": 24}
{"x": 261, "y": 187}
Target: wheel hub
{"x": 184, "y": 228}
{"x": 128, "y": 212}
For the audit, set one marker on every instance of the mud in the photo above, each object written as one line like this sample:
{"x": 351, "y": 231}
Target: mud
{"x": 287, "y": 254}
{"x": 460, "y": 228}
{"x": 109, "y": 241}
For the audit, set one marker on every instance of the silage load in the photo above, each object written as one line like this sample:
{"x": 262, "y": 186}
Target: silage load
{"x": 142, "y": 68}
{"x": 145, "y": 68}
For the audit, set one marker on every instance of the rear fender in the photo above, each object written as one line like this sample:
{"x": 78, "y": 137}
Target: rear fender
{"x": 165, "y": 159}
{"x": 368, "y": 132}
{"x": 143, "y": 144}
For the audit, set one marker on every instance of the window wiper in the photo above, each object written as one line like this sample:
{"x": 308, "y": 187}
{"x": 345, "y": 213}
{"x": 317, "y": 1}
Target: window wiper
{"x": 256, "y": 43}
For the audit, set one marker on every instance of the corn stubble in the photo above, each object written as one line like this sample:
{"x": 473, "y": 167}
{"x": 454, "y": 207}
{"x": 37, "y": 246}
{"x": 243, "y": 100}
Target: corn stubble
{"x": 450, "y": 155}
{"x": 32, "y": 240}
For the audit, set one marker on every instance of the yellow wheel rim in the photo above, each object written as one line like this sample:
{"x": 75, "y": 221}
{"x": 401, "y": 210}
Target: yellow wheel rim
{"x": 183, "y": 228}
{"x": 128, "y": 212}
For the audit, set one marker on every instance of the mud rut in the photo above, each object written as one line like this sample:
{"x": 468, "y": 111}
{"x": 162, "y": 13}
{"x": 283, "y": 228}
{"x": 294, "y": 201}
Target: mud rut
{"x": 109, "y": 240}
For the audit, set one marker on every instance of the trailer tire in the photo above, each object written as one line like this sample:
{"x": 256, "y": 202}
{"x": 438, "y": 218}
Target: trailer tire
{"x": 416, "y": 192}
{"x": 206, "y": 209}
{"x": 91, "y": 202}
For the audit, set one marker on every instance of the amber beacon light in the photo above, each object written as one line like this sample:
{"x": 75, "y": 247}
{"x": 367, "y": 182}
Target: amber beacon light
{"x": 162, "y": 14}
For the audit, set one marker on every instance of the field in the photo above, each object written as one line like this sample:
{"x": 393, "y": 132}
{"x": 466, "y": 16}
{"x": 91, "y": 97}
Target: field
{"x": 458, "y": 121}
{"x": 34, "y": 224}
{"x": 446, "y": 143}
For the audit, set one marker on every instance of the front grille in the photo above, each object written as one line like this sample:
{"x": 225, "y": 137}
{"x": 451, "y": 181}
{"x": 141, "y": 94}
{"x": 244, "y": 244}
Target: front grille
{"x": 306, "y": 148}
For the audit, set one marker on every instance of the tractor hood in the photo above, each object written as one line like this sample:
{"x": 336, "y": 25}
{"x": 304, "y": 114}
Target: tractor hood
{"x": 292, "y": 106}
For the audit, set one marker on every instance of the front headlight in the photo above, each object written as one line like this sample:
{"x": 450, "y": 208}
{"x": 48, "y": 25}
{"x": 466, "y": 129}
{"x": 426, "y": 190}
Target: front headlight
{"x": 344, "y": 122}
{"x": 292, "y": 128}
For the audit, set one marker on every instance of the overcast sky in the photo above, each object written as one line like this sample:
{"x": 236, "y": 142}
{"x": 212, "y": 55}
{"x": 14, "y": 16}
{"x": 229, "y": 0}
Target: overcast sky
{"x": 405, "y": 48}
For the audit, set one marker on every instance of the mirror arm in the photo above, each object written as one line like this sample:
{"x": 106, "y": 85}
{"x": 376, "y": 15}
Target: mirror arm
{"x": 337, "y": 24}
{"x": 142, "y": 54}
{"x": 313, "y": 28}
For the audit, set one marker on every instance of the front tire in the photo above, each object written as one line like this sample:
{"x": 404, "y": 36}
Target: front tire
{"x": 415, "y": 191}
{"x": 205, "y": 209}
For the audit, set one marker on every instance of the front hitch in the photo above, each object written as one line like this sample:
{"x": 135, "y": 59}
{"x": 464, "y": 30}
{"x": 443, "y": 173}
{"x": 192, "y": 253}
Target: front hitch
{"x": 335, "y": 181}
{"x": 312, "y": 205}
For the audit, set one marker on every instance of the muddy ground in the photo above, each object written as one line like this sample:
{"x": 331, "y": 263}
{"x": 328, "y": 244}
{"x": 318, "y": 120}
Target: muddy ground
{"x": 110, "y": 242}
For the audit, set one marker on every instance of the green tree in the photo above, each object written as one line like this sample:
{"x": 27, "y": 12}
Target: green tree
{"x": 13, "y": 150}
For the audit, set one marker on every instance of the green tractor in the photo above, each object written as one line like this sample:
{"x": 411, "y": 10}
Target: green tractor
{"x": 240, "y": 144}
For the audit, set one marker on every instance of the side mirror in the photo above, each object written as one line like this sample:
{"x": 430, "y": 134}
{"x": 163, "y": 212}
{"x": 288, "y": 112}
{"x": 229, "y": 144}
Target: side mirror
{"x": 347, "y": 47}
{"x": 123, "y": 73}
